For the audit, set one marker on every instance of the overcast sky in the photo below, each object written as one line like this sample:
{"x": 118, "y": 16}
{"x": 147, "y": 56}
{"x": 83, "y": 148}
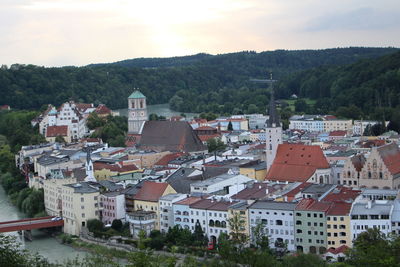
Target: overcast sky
{"x": 80, "y": 32}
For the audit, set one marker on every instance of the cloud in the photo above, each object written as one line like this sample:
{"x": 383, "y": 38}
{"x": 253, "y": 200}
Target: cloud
{"x": 356, "y": 19}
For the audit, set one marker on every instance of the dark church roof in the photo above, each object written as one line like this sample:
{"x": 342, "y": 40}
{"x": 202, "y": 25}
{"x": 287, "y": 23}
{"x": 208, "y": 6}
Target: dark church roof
{"x": 170, "y": 136}
{"x": 273, "y": 120}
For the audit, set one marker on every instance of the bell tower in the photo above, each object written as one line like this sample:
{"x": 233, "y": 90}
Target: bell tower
{"x": 137, "y": 112}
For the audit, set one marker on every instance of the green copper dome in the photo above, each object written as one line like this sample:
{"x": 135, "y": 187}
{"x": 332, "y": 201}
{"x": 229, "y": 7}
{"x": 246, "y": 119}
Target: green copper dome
{"x": 137, "y": 94}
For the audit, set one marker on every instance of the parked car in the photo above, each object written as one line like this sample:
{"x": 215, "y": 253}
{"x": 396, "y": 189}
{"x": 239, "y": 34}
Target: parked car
{"x": 56, "y": 219}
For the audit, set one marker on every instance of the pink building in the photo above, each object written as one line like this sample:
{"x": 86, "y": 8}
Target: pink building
{"x": 113, "y": 207}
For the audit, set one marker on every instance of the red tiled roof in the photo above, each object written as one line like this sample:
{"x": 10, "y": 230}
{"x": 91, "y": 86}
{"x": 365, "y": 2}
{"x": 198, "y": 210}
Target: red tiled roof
{"x": 390, "y": 155}
{"x": 330, "y": 117}
{"x": 209, "y": 204}
{"x": 167, "y": 158}
{"x": 54, "y": 131}
{"x": 188, "y": 201}
{"x": 4, "y": 107}
{"x": 313, "y": 205}
{"x": 102, "y": 109}
{"x": 151, "y": 191}
{"x": 344, "y": 194}
{"x": 373, "y": 143}
{"x": 291, "y": 194}
{"x": 113, "y": 167}
{"x": 337, "y": 133}
{"x": 339, "y": 208}
{"x": 205, "y": 138}
{"x": 176, "y": 118}
{"x": 83, "y": 106}
{"x": 257, "y": 191}
{"x": 202, "y": 128}
{"x": 341, "y": 249}
{"x": 296, "y": 163}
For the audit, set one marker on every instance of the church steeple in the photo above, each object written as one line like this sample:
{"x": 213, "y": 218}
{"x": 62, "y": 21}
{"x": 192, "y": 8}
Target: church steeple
{"x": 273, "y": 120}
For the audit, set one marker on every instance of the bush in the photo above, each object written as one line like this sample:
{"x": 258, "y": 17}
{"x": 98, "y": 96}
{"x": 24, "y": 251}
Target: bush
{"x": 95, "y": 225}
{"x": 117, "y": 225}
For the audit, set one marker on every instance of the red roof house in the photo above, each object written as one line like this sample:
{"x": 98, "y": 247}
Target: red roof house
{"x": 152, "y": 191}
{"x": 297, "y": 163}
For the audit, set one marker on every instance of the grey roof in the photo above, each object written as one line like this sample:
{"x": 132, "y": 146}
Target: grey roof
{"x": 273, "y": 205}
{"x": 181, "y": 179}
{"x": 110, "y": 186}
{"x": 170, "y": 136}
{"x": 46, "y": 160}
{"x": 170, "y": 197}
{"x": 318, "y": 188}
{"x": 79, "y": 174}
{"x": 377, "y": 208}
{"x": 216, "y": 179}
{"x": 273, "y": 114}
{"x": 83, "y": 188}
{"x": 242, "y": 205}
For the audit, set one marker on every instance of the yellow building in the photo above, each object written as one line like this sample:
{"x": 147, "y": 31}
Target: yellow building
{"x": 338, "y": 125}
{"x": 80, "y": 203}
{"x": 241, "y": 210}
{"x": 148, "y": 196}
{"x": 257, "y": 171}
{"x": 103, "y": 171}
{"x": 147, "y": 159}
{"x": 53, "y": 191}
{"x": 338, "y": 225}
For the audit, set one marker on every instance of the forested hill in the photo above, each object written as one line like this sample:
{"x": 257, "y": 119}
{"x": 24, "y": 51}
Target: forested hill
{"x": 366, "y": 89}
{"x": 195, "y": 83}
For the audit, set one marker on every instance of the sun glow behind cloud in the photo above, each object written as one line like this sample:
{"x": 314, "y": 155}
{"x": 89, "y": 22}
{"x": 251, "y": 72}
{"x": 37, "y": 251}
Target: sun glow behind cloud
{"x": 60, "y": 32}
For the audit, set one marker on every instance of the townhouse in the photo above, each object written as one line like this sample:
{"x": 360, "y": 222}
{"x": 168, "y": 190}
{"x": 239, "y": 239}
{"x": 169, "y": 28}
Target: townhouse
{"x": 167, "y": 211}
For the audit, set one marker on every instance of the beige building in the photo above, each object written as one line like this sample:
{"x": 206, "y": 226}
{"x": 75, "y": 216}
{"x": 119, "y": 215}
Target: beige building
{"x": 146, "y": 159}
{"x": 338, "y": 125}
{"x": 338, "y": 225}
{"x": 80, "y": 203}
{"x": 147, "y": 198}
{"x": 382, "y": 168}
{"x": 351, "y": 173}
{"x": 53, "y": 191}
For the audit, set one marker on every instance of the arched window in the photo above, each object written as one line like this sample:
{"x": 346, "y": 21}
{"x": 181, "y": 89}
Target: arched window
{"x": 141, "y": 103}
{"x": 374, "y": 164}
{"x": 369, "y": 175}
{"x": 211, "y": 223}
{"x": 223, "y": 224}
{"x": 380, "y": 175}
{"x": 217, "y": 224}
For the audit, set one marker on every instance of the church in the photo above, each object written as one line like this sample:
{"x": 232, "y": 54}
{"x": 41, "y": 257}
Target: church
{"x": 174, "y": 136}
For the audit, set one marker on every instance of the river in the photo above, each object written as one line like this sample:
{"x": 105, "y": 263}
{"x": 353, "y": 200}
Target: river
{"x": 42, "y": 243}
{"x": 160, "y": 109}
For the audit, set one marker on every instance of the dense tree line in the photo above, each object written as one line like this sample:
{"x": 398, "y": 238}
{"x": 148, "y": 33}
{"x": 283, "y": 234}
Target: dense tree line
{"x": 199, "y": 83}
{"x": 368, "y": 89}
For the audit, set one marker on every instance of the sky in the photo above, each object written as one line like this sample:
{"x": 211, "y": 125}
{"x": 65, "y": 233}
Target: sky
{"x": 81, "y": 32}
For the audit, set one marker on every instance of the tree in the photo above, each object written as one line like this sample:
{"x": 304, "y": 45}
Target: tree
{"x": 259, "y": 238}
{"x": 304, "y": 260}
{"x": 215, "y": 144}
{"x": 60, "y": 139}
{"x": 236, "y": 225}
{"x": 230, "y": 127}
{"x": 372, "y": 248}
{"x": 300, "y": 105}
{"x": 117, "y": 225}
{"x": 199, "y": 238}
{"x": 252, "y": 108}
{"x": 95, "y": 225}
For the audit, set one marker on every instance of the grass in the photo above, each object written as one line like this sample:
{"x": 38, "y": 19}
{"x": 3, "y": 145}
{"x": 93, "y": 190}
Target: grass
{"x": 110, "y": 252}
{"x": 291, "y": 102}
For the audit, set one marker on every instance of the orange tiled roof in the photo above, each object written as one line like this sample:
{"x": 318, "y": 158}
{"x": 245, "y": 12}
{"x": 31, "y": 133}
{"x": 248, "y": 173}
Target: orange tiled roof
{"x": 54, "y": 131}
{"x": 151, "y": 191}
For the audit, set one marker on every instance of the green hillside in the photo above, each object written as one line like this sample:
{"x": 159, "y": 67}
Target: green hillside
{"x": 198, "y": 83}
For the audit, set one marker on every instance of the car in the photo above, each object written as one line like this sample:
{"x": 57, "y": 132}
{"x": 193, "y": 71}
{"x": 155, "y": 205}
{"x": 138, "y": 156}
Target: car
{"x": 56, "y": 219}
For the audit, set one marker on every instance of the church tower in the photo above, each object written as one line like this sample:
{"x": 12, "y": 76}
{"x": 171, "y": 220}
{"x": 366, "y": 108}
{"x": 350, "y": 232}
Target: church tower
{"x": 273, "y": 132}
{"x": 137, "y": 112}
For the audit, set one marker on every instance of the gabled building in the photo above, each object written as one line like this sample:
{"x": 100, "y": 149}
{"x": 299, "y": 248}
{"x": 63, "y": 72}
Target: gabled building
{"x": 299, "y": 163}
{"x": 147, "y": 197}
{"x": 382, "y": 168}
{"x": 338, "y": 225}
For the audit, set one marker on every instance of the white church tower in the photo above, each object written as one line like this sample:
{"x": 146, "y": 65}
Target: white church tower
{"x": 137, "y": 112}
{"x": 89, "y": 167}
{"x": 273, "y": 132}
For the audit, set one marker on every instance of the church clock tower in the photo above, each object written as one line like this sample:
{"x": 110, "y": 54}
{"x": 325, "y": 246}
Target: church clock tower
{"x": 273, "y": 132}
{"x": 137, "y": 112}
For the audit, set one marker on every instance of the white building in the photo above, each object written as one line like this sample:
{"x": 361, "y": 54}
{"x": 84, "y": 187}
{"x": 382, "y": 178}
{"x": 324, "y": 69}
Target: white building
{"x": 371, "y": 214}
{"x": 113, "y": 207}
{"x": 181, "y": 212}
{"x": 230, "y": 183}
{"x": 273, "y": 133}
{"x": 166, "y": 210}
{"x": 277, "y": 219}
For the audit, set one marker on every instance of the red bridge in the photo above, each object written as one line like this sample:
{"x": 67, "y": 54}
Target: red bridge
{"x": 31, "y": 223}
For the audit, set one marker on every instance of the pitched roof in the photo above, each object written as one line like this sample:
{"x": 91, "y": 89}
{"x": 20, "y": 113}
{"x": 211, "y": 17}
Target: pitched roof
{"x": 170, "y": 136}
{"x": 342, "y": 194}
{"x": 114, "y": 167}
{"x": 210, "y": 204}
{"x": 257, "y": 191}
{"x": 338, "y": 133}
{"x": 341, "y": 249}
{"x": 188, "y": 201}
{"x": 137, "y": 94}
{"x": 151, "y": 191}
{"x": 167, "y": 158}
{"x": 339, "y": 208}
{"x": 102, "y": 109}
{"x": 54, "y": 131}
{"x": 390, "y": 155}
{"x": 296, "y": 163}
{"x": 204, "y": 128}
{"x": 313, "y": 205}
